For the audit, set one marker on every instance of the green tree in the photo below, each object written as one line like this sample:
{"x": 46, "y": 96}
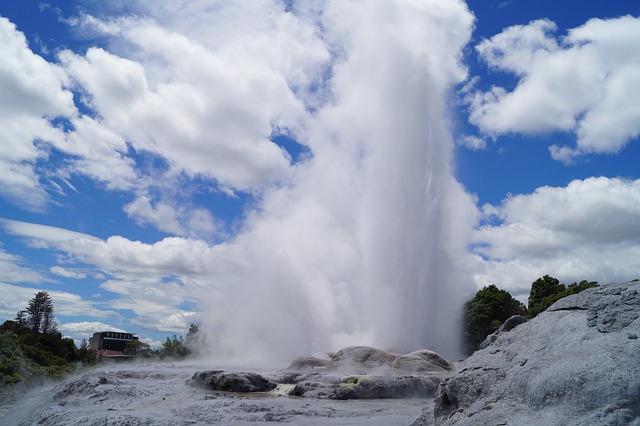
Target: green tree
{"x": 174, "y": 347}
{"x": 21, "y": 321}
{"x": 485, "y": 313}
{"x": 85, "y": 354}
{"x": 541, "y": 289}
{"x": 547, "y": 290}
{"x": 138, "y": 349}
{"x": 40, "y": 317}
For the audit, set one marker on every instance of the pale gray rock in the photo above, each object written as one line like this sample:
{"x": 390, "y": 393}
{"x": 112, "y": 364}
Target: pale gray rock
{"x": 368, "y": 360}
{"x": 576, "y": 363}
{"x": 363, "y": 372}
{"x": 507, "y": 326}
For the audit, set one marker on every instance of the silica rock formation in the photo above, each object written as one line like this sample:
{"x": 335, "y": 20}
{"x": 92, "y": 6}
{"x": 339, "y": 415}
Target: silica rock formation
{"x": 362, "y": 372}
{"x": 577, "y": 363}
{"x": 356, "y": 372}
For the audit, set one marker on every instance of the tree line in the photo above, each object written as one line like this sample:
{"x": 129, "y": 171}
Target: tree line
{"x": 491, "y": 306}
{"x": 32, "y": 349}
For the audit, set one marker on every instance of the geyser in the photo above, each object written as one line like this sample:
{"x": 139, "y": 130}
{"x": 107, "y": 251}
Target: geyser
{"x": 364, "y": 243}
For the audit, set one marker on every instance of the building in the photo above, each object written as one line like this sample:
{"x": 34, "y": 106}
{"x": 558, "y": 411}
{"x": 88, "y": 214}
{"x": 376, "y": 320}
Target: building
{"x": 110, "y": 341}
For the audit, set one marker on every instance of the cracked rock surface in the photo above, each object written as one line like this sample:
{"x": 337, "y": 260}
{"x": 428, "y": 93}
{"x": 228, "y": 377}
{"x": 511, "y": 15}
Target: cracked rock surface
{"x": 577, "y": 363}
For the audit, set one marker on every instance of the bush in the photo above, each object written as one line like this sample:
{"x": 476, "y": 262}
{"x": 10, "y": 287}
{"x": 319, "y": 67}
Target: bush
{"x": 485, "y": 313}
{"x": 547, "y": 290}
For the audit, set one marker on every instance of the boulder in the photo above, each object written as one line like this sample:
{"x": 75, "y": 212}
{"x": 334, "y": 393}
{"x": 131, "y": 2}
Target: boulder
{"x": 231, "y": 382}
{"x": 577, "y": 363}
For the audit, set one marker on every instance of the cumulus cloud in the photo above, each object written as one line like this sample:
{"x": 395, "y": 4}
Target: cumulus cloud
{"x": 87, "y": 328}
{"x": 162, "y": 215}
{"x": 186, "y": 220}
{"x": 152, "y": 280}
{"x": 584, "y": 83}
{"x": 209, "y": 112}
{"x": 589, "y": 229}
{"x": 32, "y": 93}
{"x": 472, "y": 142}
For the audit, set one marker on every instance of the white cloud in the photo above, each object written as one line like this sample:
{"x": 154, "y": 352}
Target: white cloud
{"x": 32, "y": 93}
{"x": 99, "y": 153}
{"x": 67, "y": 273}
{"x": 16, "y": 298}
{"x": 472, "y": 142}
{"x": 43, "y": 236}
{"x": 587, "y": 230}
{"x": 69, "y": 304}
{"x": 119, "y": 256}
{"x": 162, "y": 215}
{"x": 152, "y": 280}
{"x": 87, "y": 328}
{"x": 186, "y": 220}
{"x": 586, "y": 84}
{"x": 11, "y": 270}
{"x": 221, "y": 102}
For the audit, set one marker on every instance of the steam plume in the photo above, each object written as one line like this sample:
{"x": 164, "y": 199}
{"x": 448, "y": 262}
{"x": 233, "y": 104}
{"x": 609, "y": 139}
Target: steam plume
{"x": 364, "y": 242}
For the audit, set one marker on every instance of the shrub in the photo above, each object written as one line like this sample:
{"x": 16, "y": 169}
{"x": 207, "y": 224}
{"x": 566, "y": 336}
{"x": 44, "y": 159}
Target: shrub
{"x": 485, "y": 313}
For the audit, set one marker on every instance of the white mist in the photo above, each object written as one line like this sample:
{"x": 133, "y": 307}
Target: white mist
{"x": 365, "y": 242}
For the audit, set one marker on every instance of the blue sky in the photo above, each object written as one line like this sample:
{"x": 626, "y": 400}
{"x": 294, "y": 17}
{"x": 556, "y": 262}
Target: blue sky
{"x": 282, "y": 169}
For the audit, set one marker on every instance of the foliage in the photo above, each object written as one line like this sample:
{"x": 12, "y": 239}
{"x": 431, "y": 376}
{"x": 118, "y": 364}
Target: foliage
{"x": 85, "y": 354}
{"x": 174, "y": 347}
{"x": 39, "y": 314}
{"x": 541, "y": 289}
{"x": 484, "y": 314}
{"x": 138, "y": 349}
{"x": 547, "y": 290}
{"x": 31, "y": 349}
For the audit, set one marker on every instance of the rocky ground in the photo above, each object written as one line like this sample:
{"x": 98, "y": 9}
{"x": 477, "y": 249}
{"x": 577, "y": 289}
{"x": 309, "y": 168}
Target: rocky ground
{"x": 355, "y": 386}
{"x": 578, "y": 363}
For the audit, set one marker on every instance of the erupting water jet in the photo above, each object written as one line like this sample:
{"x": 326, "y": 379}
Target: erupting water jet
{"x": 364, "y": 244}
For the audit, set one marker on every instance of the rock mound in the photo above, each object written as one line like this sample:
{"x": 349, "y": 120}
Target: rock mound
{"x": 577, "y": 363}
{"x": 363, "y": 372}
{"x": 232, "y": 382}
{"x": 365, "y": 359}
